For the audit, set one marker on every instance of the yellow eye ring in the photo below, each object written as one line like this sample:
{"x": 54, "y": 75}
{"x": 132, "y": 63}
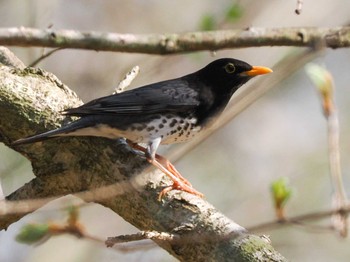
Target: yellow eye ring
{"x": 230, "y": 68}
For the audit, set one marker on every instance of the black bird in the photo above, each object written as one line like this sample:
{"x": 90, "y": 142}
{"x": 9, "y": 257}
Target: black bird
{"x": 166, "y": 112}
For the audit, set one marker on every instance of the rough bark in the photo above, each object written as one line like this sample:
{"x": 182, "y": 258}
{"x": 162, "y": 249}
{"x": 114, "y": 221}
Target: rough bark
{"x": 31, "y": 101}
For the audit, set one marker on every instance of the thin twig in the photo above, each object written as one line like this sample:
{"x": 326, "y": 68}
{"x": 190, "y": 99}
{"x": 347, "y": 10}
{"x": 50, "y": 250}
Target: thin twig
{"x": 98, "y": 194}
{"x": 299, "y": 7}
{"x": 339, "y": 196}
{"x": 142, "y": 235}
{"x": 191, "y": 237}
{"x": 323, "y": 80}
{"x": 125, "y": 248}
{"x": 129, "y": 77}
{"x": 135, "y": 246}
{"x": 299, "y": 219}
{"x": 43, "y": 56}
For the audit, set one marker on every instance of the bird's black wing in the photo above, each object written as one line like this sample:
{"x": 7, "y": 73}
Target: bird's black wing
{"x": 168, "y": 96}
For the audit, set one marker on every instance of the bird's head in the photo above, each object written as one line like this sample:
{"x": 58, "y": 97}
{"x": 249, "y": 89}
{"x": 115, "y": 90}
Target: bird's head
{"x": 228, "y": 74}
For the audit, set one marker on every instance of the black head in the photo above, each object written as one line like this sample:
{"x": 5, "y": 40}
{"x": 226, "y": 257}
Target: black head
{"x": 217, "y": 82}
{"x": 227, "y": 74}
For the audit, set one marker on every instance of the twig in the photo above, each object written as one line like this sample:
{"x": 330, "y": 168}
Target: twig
{"x": 162, "y": 44}
{"x": 43, "y": 56}
{"x": 299, "y": 219}
{"x": 339, "y": 196}
{"x": 135, "y": 246}
{"x": 190, "y": 238}
{"x": 98, "y": 194}
{"x": 299, "y": 7}
{"x": 153, "y": 235}
{"x": 323, "y": 80}
{"x": 129, "y": 77}
{"x": 9, "y": 59}
{"x": 130, "y": 247}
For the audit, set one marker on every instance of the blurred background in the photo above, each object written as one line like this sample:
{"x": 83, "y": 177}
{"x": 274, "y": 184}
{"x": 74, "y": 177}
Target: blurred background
{"x": 283, "y": 134}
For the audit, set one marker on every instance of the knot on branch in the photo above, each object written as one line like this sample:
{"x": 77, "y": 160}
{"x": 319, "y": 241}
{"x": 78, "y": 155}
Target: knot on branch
{"x": 168, "y": 44}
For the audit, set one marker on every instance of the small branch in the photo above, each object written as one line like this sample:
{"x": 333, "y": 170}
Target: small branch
{"x": 135, "y": 246}
{"x": 15, "y": 206}
{"x": 299, "y": 7}
{"x": 193, "y": 237}
{"x": 323, "y": 80}
{"x": 7, "y": 58}
{"x": 299, "y": 219}
{"x": 43, "y": 56}
{"x": 153, "y": 235}
{"x": 338, "y": 37}
{"x": 339, "y": 195}
{"x": 129, "y": 77}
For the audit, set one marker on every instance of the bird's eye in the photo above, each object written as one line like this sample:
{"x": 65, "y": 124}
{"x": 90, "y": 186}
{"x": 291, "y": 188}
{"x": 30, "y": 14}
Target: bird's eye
{"x": 230, "y": 68}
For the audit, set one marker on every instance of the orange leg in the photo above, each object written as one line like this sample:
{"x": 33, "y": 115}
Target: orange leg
{"x": 169, "y": 166}
{"x": 179, "y": 182}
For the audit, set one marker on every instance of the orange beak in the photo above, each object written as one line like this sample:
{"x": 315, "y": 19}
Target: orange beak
{"x": 258, "y": 70}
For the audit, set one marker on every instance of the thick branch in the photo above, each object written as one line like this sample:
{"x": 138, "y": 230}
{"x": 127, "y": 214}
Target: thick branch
{"x": 176, "y": 43}
{"x": 30, "y": 102}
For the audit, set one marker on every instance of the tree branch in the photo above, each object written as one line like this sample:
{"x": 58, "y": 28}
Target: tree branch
{"x": 30, "y": 102}
{"x": 338, "y": 37}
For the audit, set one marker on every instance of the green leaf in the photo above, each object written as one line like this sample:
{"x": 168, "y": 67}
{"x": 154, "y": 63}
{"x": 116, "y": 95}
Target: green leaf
{"x": 208, "y": 23}
{"x": 281, "y": 191}
{"x": 234, "y": 13}
{"x": 32, "y": 233}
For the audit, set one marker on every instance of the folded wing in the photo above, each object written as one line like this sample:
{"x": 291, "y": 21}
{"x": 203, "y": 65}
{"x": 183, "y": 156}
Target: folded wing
{"x": 164, "y": 97}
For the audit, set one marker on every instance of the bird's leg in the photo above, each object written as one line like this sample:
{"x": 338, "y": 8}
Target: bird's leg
{"x": 169, "y": 166}
{"x": 179, "y": 182}
{"x": 163, "y": 161}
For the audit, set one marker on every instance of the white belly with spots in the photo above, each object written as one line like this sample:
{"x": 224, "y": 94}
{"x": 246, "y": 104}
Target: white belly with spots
{"x": 170, "y": 130}
{"x": 173, "y": 130}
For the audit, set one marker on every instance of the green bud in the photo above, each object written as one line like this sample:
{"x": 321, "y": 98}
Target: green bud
{"x": 32, "y": 233}
{"x": 281, "y": 192}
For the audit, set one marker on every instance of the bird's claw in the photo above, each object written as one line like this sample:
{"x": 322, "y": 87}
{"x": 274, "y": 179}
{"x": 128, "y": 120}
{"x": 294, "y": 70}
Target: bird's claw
{"x": 182, "y": 187}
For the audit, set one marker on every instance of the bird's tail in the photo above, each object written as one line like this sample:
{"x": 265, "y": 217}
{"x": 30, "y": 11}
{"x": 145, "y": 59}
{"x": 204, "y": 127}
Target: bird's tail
{"x": 63, "y": 131}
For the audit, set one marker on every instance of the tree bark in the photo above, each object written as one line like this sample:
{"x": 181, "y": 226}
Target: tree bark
{"x": 110, "y": 173}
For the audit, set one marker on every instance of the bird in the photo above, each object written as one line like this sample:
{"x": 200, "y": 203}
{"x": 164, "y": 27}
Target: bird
{"x": 166, "y": 112}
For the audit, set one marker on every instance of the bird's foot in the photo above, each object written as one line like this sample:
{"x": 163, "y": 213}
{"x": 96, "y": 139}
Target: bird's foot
{"x": 171, "y": 168}
{"x": 179, "y": 186}
{"x": 179, "y": 182}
